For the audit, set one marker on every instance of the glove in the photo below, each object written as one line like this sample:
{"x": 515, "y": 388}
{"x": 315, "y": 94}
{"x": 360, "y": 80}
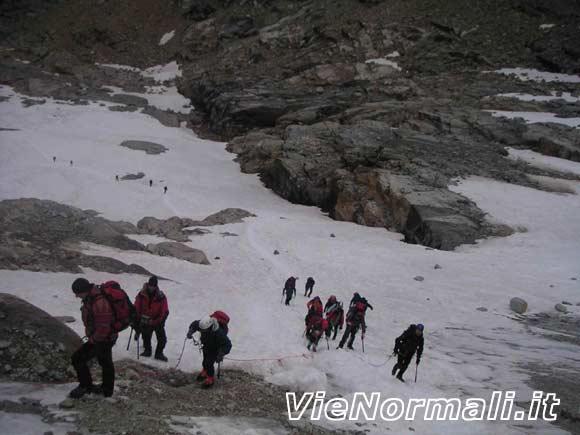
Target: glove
{"x": 193, "y": 329}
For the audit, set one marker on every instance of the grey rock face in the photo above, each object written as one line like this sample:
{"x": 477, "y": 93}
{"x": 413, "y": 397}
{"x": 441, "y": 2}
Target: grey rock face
{"x": 136, "y": 176}
{"x": 148, "y": 147}
{"x": 37, "y": 341}
{"x": 561, "y": 308}
{"x": 41, "y": 235}
{"x": 174, "y": 228}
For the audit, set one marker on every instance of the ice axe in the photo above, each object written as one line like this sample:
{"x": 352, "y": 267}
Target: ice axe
{"x": 416, "y": 369}
{"x": 129, "y": 342}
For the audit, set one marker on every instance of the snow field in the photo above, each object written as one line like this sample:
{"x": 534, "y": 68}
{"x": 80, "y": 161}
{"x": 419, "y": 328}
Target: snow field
{"x": 468, "y": 353}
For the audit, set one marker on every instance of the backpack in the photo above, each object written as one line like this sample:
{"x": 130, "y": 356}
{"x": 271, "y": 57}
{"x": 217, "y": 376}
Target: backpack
{"x": 223, "y": 319}
{"x": 122, "y": 307}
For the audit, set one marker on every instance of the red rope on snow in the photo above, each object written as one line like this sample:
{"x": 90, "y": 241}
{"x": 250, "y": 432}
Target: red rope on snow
{"x": 278, "y": 359}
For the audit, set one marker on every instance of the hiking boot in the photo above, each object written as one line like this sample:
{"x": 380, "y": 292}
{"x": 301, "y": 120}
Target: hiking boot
{"x": 96, "y": 389}
{"x": 350, "y": 347}
{"x": 394, "y": 371}
{"x": 339, "y": 347}
{"x": 79, "y": 392}
{"x": 400, "y": 378}
{"x": 146, "y": 352}
{"x": 308, "y": 347}
{"x": 202, "y": 375}
{"x": 161, "y": 357}
{"x": 208, "y": 383}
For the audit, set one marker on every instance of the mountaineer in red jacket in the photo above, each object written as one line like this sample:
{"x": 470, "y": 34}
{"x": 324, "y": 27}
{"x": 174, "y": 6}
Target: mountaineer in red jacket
{"x": 151, "y": 311}
{"x": 98, "y": 317}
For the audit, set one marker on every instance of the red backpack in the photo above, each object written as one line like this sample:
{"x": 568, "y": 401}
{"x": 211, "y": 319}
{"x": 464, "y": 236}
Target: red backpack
{"x": 123, "y": 309}
{"x": 222, "y": 318}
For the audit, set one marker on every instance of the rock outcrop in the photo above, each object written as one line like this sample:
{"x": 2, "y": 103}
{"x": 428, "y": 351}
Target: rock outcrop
{"x": 42, "y": 235}
{"x": 175, "y": 228}
{"x": 34, "y": 346}
{"x": 178, "y": 250}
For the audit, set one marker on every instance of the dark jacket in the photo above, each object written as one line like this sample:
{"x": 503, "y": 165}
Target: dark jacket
{"x": 153, "y": 305}
{"x": 310, "y": 283}
{"x": 358, "y": 298}
{"x": 213, "y": 341}
{"x": 290, "y": 284}
{"x": 409, "y": 342}
{"x": 356, "y": 318}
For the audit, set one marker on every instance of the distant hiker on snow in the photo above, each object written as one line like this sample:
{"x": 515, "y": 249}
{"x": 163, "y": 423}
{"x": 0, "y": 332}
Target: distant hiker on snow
{"x": 151, "y": 310}
{"x": 405, "y": 346}
{"x": 116, "y": 178}
{"x": 309, "y": 286}
{"x": 71, "y": 162}
{"x": 215, "y": 343}
{"x": 106, "y": 310}
{"x": 53, "y": 159}
{"x": 165, "y": 190}
{"x": 315, "y": 327}
{"x": 289, "y": 289}
{"x": 355, "y": 319}
{"x": 150, "y": 183}
{"x": 334, "y": 316}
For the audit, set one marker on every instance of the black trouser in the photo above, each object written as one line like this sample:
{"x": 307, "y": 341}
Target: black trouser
{"x": 403, "y": 361}
{"x": 289, "y": 294}
{"x": 308, "y": 290}
{"x": 350, "y": 330}
{"x": 332, "y": 327}
{"x": 209, "y": 359}
{"x": 103, "y": 352}
{"x": 147, "y": 333}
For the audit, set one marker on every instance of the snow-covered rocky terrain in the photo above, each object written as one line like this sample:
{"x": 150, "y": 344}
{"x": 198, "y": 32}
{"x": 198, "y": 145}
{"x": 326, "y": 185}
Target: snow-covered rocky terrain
{"x": 474, "y": 344}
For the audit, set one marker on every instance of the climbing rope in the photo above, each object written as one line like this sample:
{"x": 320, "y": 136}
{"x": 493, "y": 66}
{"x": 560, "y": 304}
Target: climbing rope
{"x": 278, "y": 359}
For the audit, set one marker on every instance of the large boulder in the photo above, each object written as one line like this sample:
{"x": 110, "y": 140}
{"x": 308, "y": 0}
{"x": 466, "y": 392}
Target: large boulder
{"x": 34, "y": 346}
{"x": 169, "y": 228}
{"x": 518, "y": 305}
{"x": 178, "y": 250}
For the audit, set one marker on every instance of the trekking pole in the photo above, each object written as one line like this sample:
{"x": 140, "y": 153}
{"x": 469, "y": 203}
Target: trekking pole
{"x": 181, "y": 354}
{"x": 327, "y": 345}
{"x": 362, "y": 337}
{"x": 219, "y": 373}
{"x": 137, "y": 349}
{"x": 129, "y": 342}
{"x": 416, "y": 369}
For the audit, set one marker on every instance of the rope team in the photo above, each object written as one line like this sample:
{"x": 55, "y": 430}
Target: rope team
{"x": 107, "y": 310}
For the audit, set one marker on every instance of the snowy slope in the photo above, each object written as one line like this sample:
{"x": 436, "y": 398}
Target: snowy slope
{"x": 468, "y": 352}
